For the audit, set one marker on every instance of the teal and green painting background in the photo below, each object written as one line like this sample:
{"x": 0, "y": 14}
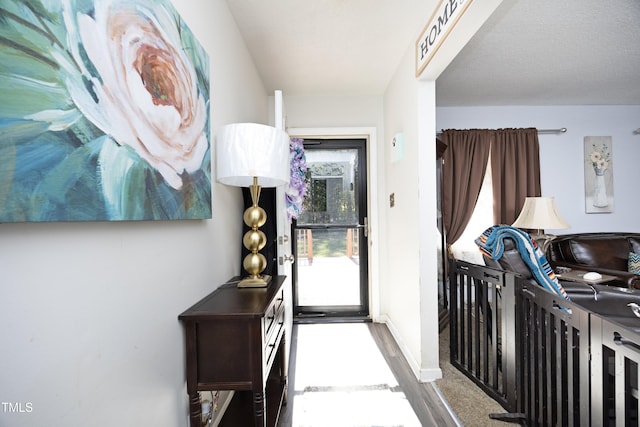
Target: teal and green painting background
{"x": 59, "y": 160}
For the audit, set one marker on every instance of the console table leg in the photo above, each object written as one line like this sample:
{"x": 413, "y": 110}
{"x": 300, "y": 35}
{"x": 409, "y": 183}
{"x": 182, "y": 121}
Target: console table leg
{"x": 259, "y": 409}
{"x": 195, "y": 409}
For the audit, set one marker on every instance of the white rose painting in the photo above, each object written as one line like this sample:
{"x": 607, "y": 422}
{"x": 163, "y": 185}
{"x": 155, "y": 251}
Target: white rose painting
{"x": 104, "y": 112}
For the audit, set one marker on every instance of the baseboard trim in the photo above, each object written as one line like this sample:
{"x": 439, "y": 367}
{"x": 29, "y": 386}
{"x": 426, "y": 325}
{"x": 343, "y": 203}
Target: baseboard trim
{"x": 413, "y": 363}
{"x": 422, "y": 375}
{"x": 430, "y": 375}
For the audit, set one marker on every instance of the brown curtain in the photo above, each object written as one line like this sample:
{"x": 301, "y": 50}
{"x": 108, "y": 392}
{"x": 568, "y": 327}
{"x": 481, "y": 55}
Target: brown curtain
{"x": 515, "y": 166}
{"x": 464, "y": 164}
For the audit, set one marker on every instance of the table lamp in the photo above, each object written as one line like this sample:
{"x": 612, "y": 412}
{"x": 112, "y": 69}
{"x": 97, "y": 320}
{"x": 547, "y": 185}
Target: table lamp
{"x": 255, "y": 156}
{"x": 537, "y": 214}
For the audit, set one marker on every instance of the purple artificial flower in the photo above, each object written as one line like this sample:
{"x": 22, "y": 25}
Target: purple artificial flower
{"x": 297, "y": 188}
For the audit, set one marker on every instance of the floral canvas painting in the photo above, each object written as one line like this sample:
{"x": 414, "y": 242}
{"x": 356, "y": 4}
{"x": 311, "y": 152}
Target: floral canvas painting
{"x": 598, "y": 174}
{"x": 104, "y": 112}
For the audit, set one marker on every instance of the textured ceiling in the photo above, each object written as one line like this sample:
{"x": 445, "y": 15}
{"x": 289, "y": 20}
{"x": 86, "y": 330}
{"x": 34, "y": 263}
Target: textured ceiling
{"x": 329, "y": 47}
{"x": 538, "y": 52}
{"x": 549, "y": 52}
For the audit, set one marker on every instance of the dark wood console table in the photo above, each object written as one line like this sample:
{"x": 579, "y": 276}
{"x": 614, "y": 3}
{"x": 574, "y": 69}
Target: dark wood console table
{"x": 235, "y": 341}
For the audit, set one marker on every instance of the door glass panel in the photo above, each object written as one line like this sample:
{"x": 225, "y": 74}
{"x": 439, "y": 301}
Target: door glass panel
{"x": 328, "y": 267}
{"x": 329, "y": 234}
{"x": 331, "y": 196}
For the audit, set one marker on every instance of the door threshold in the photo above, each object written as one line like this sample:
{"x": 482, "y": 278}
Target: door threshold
{"x": 323, "y": 318}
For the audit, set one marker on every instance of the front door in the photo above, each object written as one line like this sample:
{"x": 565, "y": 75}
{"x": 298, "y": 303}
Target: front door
{"x": 330, "y": 236}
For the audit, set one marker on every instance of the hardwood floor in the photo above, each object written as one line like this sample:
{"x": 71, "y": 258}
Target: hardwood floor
{"x": 423, "y": 396}
{"x": 348, "y": 374}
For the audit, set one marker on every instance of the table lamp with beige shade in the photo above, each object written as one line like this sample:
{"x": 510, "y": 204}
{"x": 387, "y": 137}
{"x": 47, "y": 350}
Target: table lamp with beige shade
{"x": 540, "y": 213}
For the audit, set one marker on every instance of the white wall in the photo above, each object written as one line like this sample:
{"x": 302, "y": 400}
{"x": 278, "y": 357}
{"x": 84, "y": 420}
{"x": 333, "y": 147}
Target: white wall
{"x": 400, "y": 290}
{"x": 334, "y": 111}
{"x": 89, "y": 333}
{"x": 409, "y": 292}
{"x": 562, "y": 155}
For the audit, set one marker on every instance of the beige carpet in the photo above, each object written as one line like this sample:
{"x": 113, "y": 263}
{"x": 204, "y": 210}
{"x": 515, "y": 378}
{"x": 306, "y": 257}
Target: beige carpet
{"x": 471, "y": 405}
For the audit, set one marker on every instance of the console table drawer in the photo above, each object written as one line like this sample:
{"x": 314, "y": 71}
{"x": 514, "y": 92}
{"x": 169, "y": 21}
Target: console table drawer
{"x": 270, "y": 319}
{"x": 273, "y": 338}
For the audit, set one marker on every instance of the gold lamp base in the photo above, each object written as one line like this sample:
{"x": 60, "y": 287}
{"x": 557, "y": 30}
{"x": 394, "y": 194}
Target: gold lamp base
{"x": 254, "y": 240}
{"x": 255, "y": 282}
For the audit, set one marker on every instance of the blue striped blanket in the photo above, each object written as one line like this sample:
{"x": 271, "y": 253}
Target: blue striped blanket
{"x": 491, "y": 243}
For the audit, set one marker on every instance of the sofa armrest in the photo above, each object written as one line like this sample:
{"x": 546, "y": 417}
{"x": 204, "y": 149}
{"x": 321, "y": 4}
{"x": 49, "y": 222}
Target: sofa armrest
{"x": 625, "y": 279}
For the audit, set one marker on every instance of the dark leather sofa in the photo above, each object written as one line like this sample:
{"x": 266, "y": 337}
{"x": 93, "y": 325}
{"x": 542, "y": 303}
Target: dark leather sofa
{"x": 610, "y": 301}
{"x": 606, "y": 253}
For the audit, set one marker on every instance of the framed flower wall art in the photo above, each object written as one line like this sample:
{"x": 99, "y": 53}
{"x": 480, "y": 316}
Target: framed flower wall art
{"x": 104, "y": 113}
{"x": 598, "y": 174}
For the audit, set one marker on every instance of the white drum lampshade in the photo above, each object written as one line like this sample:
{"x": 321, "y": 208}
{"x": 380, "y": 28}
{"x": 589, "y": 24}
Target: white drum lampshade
{"x": 247, "y": 150}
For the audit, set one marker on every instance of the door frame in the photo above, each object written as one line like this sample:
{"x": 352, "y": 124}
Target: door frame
{"x": 362, "y": 310}
{"x": 373, "y": 199}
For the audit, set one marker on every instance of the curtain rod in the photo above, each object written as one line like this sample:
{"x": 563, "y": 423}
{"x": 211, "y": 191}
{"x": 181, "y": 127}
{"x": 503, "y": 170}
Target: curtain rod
{"x": 561, "y": 130}
{"x": 545, "y": 131}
